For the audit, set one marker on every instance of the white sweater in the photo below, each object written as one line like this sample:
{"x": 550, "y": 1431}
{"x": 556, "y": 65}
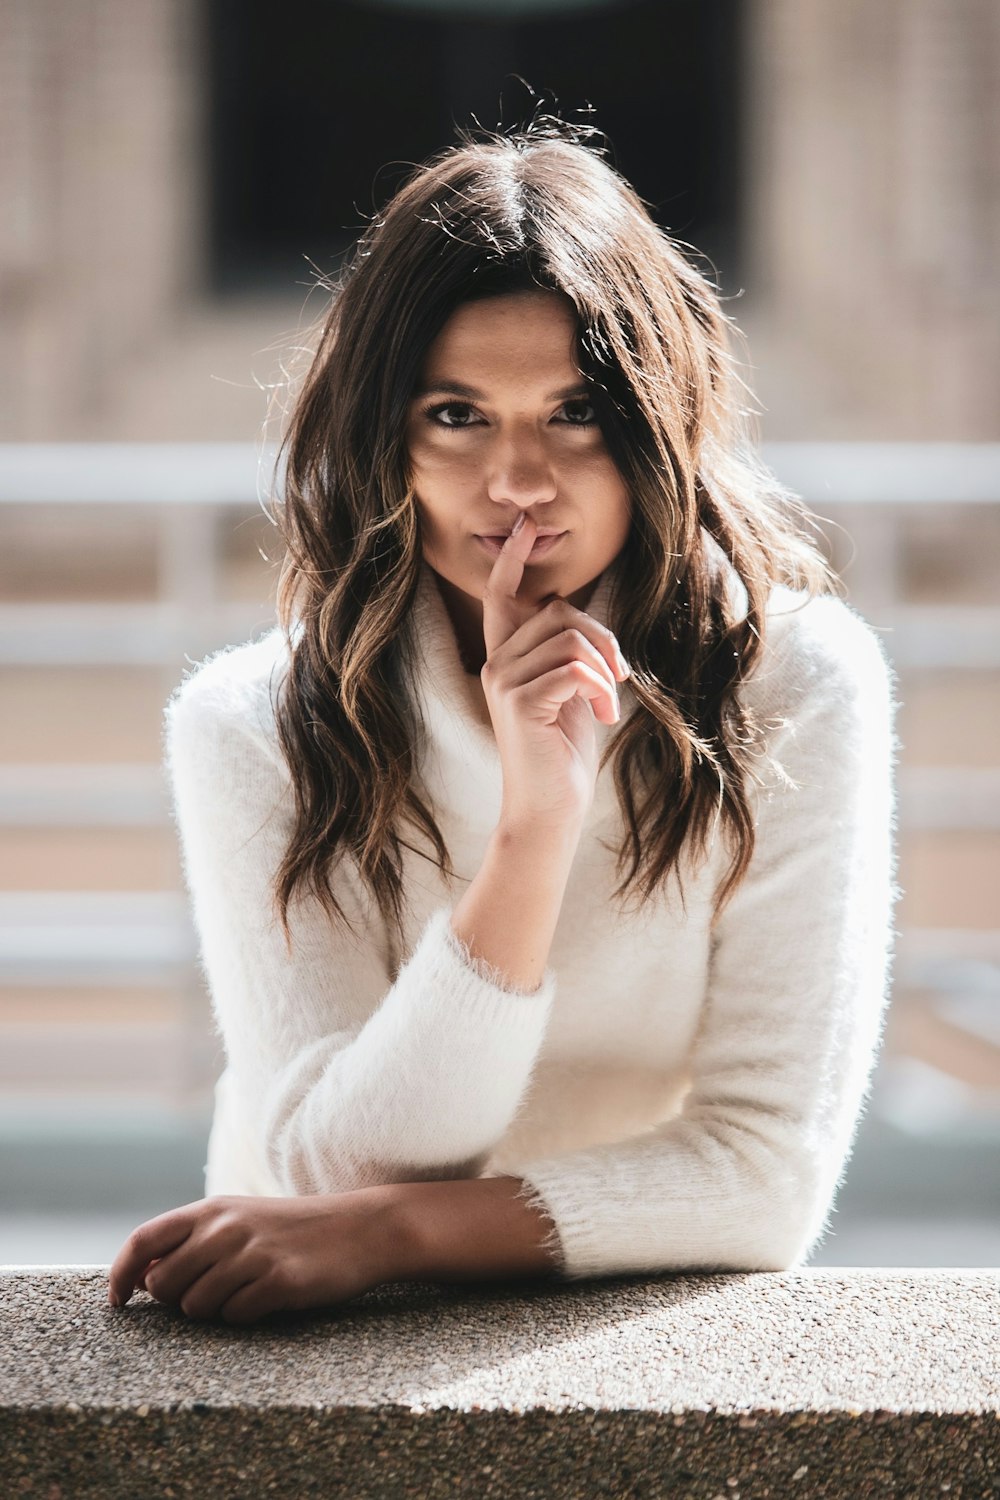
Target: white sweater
{"x": 673, "y": 1097}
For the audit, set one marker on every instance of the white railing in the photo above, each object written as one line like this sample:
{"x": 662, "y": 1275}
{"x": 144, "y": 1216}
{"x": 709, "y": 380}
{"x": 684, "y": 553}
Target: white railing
{"x": 189, "y": 489}
{"x": 184, "y": 489}
{"x": 866, "y": 488}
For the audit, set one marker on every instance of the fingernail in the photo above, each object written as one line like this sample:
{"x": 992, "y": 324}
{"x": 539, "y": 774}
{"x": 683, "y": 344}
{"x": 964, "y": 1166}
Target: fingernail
{"x": 519, "y": 523}
{"x": 112, "y": 1298}
{"x": 623, "y": 665}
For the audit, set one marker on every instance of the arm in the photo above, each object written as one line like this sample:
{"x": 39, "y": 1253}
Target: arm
{"x": 362, "y": 1083}
{"x": 549, "y": 674}
{"x": 355, "y": 1079}
{"x": 510, "y": 910}
{"x": 242, "y": 1258}
{"x": 743, "y": 1177}
{"x": 350, "y": 1079}
{"x": 479, "y": 1229}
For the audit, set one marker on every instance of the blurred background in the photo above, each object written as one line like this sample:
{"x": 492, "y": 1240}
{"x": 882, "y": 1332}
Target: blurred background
{"x": 174, "y": 175}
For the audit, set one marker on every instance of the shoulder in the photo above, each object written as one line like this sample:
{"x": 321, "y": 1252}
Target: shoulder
{"x": 824, "y": 696}
{"x": 230, "y": 694}
{"x": 818, "y": 649}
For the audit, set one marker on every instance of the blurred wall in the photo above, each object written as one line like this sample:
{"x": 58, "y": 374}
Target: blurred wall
{"x": 874, "y": 217}
{"x": 99, "y": 238}
{"x": 869, "y": 200}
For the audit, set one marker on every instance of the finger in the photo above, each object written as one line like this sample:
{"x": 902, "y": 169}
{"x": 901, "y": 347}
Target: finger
{"x": 252, "y": 1301}
{"x": 557, "y": 651}
{"x": 207, "y": 1294}
{"x": 155, "y": 1238}
{"x": 575, "y": 680}
{"x": 140, "y": 1280}
{"x": 502, "y": 612}
{"x": 170, "y": 1277}
{"x": 549, "y": 622}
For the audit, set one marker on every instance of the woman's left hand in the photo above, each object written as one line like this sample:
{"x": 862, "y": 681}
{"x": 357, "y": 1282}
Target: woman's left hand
{"x": 240, "y": 1258}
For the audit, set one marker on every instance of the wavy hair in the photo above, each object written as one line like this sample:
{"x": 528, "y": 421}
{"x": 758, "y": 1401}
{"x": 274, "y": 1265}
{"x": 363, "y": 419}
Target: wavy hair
{"x": 712, "y": 530}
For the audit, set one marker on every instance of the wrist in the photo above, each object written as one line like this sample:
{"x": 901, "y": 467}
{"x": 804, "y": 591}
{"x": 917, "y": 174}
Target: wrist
{"x": 553, "y": 842}
{"x": 392, "y": 1248}
{"x": 466, "y": 1229}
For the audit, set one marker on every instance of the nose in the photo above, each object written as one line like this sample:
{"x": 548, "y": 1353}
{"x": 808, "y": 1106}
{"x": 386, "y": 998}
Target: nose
{"x": 521, "y": 472}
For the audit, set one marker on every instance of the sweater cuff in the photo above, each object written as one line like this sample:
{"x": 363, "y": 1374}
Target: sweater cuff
{"x": 440, "y": 925}
{"x": 476, "y": 1039}
{"x": 428, "y": 1087}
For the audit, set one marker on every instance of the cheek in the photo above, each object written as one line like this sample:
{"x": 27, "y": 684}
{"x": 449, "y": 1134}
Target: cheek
{"x": 437, "y": 519}
{"x": 442, "y": 481}
{"x": 605, "y": 492}
{"x": 444, "y": 472}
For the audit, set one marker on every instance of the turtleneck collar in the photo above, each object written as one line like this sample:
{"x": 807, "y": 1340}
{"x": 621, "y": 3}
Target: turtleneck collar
{"x": 458, "y": 760}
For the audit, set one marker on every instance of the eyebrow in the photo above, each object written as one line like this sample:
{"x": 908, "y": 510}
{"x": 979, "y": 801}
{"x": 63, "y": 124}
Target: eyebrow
{"x": 447, "y": 387}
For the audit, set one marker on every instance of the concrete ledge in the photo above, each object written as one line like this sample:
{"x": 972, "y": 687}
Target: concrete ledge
{"x": 826, "y": 1383}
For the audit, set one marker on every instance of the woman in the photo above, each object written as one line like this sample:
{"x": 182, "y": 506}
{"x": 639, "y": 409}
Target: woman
{"x": 541, "y": 859}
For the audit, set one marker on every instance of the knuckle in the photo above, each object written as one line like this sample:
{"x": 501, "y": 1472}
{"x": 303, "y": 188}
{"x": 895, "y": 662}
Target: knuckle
{"x": 136, "y": 1242}
{"x": 225, "y": 1211}
{"x": 278, "y": 1280}
{"x": 233, "y": 1231}
{"x": 498, "y": 677}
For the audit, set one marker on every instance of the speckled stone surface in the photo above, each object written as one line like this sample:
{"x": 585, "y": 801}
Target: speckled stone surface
{"x": 816, "y": 1383}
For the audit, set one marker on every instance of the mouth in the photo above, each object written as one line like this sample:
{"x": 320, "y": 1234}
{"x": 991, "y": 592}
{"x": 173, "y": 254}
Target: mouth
{"x": 548, "y": 538}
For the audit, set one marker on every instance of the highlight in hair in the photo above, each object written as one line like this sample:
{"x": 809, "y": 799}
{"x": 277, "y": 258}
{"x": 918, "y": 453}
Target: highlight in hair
{"x": 712, "y": 530}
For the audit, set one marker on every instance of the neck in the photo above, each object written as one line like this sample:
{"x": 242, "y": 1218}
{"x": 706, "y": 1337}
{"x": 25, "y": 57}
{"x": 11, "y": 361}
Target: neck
{"x": 465, "y": 612}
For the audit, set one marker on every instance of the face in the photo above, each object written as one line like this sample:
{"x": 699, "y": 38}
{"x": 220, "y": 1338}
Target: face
{"x": 501, "y": 423}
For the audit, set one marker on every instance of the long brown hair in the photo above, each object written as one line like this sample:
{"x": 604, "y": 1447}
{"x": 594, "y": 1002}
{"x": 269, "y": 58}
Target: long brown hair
{"x": 537, "y": 207}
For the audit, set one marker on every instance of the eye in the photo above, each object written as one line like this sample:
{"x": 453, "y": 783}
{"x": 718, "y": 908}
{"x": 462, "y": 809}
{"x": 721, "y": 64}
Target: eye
{"x": 451, "y": 414}
{"x": 579, "y": 413}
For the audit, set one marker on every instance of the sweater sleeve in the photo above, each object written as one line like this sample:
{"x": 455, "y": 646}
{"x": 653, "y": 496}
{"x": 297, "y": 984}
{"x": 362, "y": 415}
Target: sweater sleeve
{"x": 744, "y": 1177}
{"x": 349, "y": 1076}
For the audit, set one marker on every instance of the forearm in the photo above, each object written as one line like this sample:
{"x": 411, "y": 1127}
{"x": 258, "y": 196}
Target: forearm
{"x": 508, "y": 915}
{"x": 472, "y": 1229}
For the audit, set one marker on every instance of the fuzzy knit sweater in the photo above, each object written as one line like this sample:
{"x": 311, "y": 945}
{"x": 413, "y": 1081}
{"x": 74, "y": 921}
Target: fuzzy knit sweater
{"x": 674, "y": 1095}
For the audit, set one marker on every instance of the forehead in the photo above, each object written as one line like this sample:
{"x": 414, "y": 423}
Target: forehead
{"x": 530, "y": 332}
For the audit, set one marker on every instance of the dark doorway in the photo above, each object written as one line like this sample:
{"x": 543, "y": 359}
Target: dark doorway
{"x": 317, "y": 107}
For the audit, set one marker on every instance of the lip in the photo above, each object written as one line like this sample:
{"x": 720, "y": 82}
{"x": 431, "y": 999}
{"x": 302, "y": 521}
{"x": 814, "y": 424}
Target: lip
{"x": 546, "y": 539}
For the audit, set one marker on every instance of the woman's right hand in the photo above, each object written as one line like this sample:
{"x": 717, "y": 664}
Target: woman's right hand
{"x": 549, "y": 672}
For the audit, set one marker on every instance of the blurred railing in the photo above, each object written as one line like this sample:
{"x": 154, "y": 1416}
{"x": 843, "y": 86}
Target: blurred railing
{"x": 192, "y": 492}
{"x": 184, "y": 488}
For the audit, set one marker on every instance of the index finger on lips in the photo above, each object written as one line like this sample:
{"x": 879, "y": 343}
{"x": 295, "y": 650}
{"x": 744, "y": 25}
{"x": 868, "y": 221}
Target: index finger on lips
{"x": 501, "y": 612}
{"x": 151, "y": 1241}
